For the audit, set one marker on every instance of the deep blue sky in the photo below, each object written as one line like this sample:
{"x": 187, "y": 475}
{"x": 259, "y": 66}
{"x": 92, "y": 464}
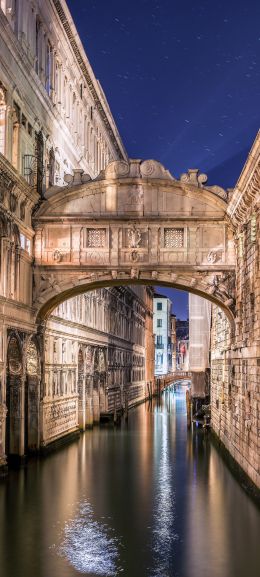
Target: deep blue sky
{"x": 182, "y": 79}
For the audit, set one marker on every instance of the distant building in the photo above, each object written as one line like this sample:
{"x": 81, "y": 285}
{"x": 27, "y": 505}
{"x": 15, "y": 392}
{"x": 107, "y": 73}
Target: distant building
{"x": 162, "y": 332}
{"x": 182, "y": 345}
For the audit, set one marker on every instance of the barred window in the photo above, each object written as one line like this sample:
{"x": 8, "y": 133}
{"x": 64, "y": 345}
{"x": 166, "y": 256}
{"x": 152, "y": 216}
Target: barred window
{"x": 96, "y": 237}
{"x": 174, "y": 237}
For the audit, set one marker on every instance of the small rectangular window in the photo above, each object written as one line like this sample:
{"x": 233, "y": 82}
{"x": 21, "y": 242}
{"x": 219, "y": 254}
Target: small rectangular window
{"x": 96, "y": 237}
{"x": 159, "y": 306}
{"x": 24, "y": 120}
{"x": 159, "y": 322}
{"x": 174, "y": 237}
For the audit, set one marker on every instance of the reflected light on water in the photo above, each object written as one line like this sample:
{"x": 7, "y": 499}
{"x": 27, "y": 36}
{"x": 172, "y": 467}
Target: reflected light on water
{"x": 164, "y": 533}
{"x": 89, "y": 546}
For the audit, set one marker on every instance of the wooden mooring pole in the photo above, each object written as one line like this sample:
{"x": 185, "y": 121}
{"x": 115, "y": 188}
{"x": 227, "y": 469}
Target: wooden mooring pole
{"x": 188, "y": 405}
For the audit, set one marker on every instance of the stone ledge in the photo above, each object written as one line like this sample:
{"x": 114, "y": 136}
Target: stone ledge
{"x": 59, "y": 443}
{"x": 240, "y": 475}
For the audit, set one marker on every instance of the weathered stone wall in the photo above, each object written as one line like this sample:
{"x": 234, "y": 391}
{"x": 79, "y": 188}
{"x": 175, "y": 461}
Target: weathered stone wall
{"x": 235, "y": 363}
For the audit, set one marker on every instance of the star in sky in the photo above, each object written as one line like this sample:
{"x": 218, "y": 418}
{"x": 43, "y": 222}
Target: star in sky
{"x": 182, "y": 78}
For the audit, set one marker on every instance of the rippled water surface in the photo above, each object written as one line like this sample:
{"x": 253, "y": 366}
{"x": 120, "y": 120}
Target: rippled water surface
{"x": 145, "y": 500}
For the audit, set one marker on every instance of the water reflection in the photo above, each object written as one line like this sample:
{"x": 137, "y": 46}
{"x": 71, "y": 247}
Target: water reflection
{"x": 149, "y": 499}
{"x": 88, "y": 544}
{"x": 164, "y": 531}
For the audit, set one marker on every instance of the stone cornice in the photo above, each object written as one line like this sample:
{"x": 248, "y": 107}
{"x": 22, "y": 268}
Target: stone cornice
{"x": 93, "y": 85}
{"x": 246, "y": 194}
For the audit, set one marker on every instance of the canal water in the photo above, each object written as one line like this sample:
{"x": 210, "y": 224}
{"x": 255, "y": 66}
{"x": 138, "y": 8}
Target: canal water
{"x": 147, "y": 499}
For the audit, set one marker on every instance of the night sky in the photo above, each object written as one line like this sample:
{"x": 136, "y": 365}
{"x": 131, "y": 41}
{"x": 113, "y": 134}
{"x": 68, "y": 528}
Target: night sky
{"x": 182, "y": 79}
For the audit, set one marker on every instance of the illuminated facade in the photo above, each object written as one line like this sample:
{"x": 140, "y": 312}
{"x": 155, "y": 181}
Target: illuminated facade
{"x": 163, "y": 334}
{"x": 76, "y": 215}
{"x": 95, "y": 362}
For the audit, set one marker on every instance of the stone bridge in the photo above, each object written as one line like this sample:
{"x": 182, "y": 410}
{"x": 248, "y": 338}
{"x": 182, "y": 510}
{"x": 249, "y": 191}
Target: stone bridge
{"x": 134, "y": 223}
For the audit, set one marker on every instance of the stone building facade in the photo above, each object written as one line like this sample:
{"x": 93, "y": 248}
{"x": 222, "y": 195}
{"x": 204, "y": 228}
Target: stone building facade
{"x": 235, "y": 355}
{"x": 54, "y": 117}
{"x": 95, "y": 358}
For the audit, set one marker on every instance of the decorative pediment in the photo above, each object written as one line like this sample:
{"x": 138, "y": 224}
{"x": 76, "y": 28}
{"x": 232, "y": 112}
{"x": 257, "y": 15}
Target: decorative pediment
{"x": 135, "y": 168}
{"x": 135, "y": 188}
{"x": 195, "y": 178}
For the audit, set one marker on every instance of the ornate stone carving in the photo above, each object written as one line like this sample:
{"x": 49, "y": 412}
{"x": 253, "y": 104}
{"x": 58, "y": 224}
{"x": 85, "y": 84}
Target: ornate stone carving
{"x": 97, "y": 257}
{"x": 135, "y": 237}
{"x": 117, "y": 169}
{"x": 136, "y": 194}
{"x": 96, "y": 237}
{"x": 173, "y": 237}
{"x": 32, "y": 364}
{"x": 193, "y": 177}
{"x": 57, "y": 256}
{"x": 253, "y": 228}
{"x": 223, "y": 286}
{"x": 59, "y": 416}
{"x": 46, "y": 282}
{"x": 214, "y": 255}
{"x": 134, "y": 256}
{"x": 154, "y": 169}
{"x": 241, "y": 244}
{"x": 134, "y": 273}
{"x": 174, "y": 276}
{"x": 78, "y": 177}
{"x": 14, "y": 357}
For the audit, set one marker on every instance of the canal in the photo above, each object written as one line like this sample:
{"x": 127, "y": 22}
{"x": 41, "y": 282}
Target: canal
{"x": 147, "y": 499}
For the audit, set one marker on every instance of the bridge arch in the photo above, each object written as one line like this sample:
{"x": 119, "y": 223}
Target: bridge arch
{"x": 73, "y": 290}
{"x": 134, "y": 224}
